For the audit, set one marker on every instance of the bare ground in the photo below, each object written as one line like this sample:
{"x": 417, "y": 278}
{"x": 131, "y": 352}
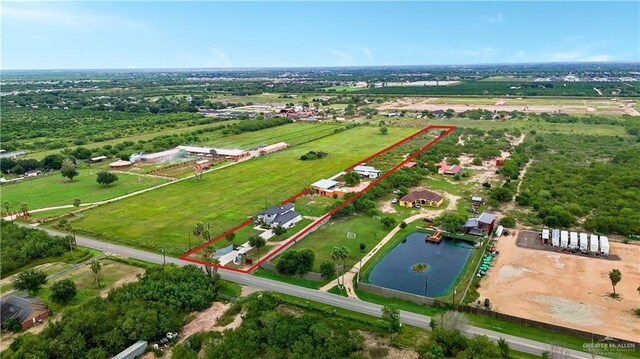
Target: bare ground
{"x": 128, "y": 278}
{"x": 566, "y": 289}
{"x": 381, "y": 345}
{"x": 205, "y": 321}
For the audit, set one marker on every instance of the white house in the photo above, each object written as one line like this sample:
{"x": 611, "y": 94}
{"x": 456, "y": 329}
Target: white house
{"x": 32, "y": 173}
{"x": 367, "y": 171}
{"x": 284, "y": 216}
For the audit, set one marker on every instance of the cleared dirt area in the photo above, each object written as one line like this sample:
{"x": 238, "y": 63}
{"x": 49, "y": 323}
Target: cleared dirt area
{"x": 566, "y": 289}
{"x": 206, "y": 320}
{"x": 601, "y": 106}
{"x": 379, "y": 347}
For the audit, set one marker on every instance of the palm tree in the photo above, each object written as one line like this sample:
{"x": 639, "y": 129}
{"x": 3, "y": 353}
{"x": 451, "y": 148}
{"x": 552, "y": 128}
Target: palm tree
{"x": 24, "y": 208}
{"x": 340, "y": 253}
{"x": 197, "y": 230}
{"x": 6, "y": 205}
{"x": 207, "y": 255}
{"x": 96, "y": 267}
{"x": 206, "y": 234}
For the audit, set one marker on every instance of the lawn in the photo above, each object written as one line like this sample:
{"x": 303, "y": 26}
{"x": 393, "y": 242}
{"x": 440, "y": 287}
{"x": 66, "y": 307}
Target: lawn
{"x": 224, "y": 199}
{"x": 55, "y": 190}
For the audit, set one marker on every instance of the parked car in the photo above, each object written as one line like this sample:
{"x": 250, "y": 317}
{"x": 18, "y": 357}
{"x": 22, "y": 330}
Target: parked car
{"x": 417, "y": 205}
{"x": 428, "y": 220}
{"x": 394, "y": 201}
{"x": 171, "y": 335}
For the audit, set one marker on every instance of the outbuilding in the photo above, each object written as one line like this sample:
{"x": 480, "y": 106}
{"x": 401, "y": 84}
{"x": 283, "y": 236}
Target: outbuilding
{"x": 604, "y": 245}
{"x": 594, "y": 244}
{"x": 120, "y": 164}
{"x": 564, "y": 239}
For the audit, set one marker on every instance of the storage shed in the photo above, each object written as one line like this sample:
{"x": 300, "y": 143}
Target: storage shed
{"x": 545, "y": 235}
{"x": 584, "y": 243}
{"x": 604, "y": 245}
{"x": 555, "y": 238}
{"x": 594, "y": 244}
{"x": 564, "y": 239}
{"x": 573, "y": 240}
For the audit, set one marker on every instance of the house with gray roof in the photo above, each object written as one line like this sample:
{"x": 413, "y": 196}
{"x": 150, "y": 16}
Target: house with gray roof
{"x": 284, "y": 215}
{"x": 480, "y": 226}
{"x": 28, "y": 311}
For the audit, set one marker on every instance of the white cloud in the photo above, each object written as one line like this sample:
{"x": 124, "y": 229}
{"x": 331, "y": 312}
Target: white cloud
{"x": 494, "y": 19}
{"x": 219, "y": 59}
{"x": 63, "y": 15}
{"x": 344, "y": 58}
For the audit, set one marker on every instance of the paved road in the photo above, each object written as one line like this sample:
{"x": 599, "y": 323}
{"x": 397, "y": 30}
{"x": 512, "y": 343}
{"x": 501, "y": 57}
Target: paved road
{"x": 356, "y": 305}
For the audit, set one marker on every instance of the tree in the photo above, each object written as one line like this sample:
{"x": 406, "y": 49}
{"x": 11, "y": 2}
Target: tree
{"x": 77, "y": 202}
{"x": 197, "y": 230}
{"x": 24, "y": 208}
{"x": 508, "y": 222}
{"x": 362, "y": 246}
{"x": 106, "y": 178}
{"x": 340, "y": 253}
{"x": 96, "y": 268}
{"x": 279, "y": 231}
{"x": 391, "y": 314}
{"x": 205, "y": 234}
{"x": 452, "y": 221}
{"x": 615, "y": 276}
{"x": 6, "y": 205}
{"x": 68, "y": 169}
{"x": 63, "y": 291}
{"x": 230, "y": 237}
{"x": 384, "y": 130}
{"x": 257, "y": 242}
{"x": 389, "y": 221}
{"x": 480, "y": 347}
{"x": 207, "y": 256}
{"x": 351, "y": 178}
{"x": 503, "y": 346}
{"x": 403, "y": 225}
{"x": 12, "y": 324}
{"x": 31, "y": 281}
{"x": 328, "y": 270}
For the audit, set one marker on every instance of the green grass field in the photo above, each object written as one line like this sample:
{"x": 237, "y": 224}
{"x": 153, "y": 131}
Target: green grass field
{"x": 55, "y": 190}
{"x": 293, "y": 134}
{"x": 163, "y": 218}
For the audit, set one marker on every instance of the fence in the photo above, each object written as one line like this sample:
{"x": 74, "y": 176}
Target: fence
{"x": 390, "y": 293}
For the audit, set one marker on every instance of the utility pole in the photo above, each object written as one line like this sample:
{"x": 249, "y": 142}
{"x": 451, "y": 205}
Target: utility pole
{"x": 453, "y": 298}
{"x": 164, "y": 260}
{"x": 189, "y": 240}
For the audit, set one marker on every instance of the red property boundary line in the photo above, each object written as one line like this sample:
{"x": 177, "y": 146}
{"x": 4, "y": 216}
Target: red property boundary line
{"x": 448, "y": 130}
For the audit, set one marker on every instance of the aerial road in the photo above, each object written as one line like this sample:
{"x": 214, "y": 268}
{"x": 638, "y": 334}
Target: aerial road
{"x": 356, "y": 305}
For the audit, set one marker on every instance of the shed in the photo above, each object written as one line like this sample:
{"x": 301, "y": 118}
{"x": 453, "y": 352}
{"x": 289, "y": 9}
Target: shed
{"x": 573, "y": 240}
{"x": 564, "y": 239}
{"x": 604, "y": 245}
{"x": 584, "y": 243}
{"x": 545, "y": 235}
{"x": 98, "y": 159}
{"x": 26, "y": 310}
{"x": 555, "y": 237}
{"x": 594, "y": 244}
{"x": 476, "y": 199}
{"x": 120, "y": 164}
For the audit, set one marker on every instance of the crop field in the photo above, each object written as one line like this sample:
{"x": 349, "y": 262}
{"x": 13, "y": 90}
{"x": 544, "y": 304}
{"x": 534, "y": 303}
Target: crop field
{"x": 293, "y": 134}
{"x": 163, "y": 218}
{"x": 55, "y": 190}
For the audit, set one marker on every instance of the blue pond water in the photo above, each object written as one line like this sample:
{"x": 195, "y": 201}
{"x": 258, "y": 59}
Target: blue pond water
{"x": 445, "y": 261}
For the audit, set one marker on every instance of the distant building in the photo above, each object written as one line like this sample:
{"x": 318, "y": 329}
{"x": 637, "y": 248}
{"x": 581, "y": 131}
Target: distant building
{"x": 284, "y": 216}
{"x": 120, "y": 164}
{"x": 423, "y": 198}
{"x": 273, "y": 148}
{"x": 97, "y": 159}
{"x": 367, "y": 171}
{"x": 28, "y": 311}
{"x": 327, "y": 187}
{"x": 438, "y": 113}
{"x": 32, "y": 173}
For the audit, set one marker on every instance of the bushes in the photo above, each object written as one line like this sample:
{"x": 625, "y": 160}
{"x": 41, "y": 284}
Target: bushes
{"x": 294, "y": 262}
{"x": 508, "y": 222}
{"x": 328, "y": 270}
{"x": 313, "y": 155}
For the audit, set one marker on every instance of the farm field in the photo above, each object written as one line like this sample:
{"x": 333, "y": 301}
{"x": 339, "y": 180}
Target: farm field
{"x": 55, "y": 190}
{"x": 293, "y": 134}
{"x": 163, "y": 218}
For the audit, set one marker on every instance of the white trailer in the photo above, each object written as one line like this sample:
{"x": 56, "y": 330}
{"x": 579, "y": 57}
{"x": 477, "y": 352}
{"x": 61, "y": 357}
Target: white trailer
{"x": 573, "y": 241}
{"x": 545, "y": 235}
{"x": 594, "y": 244}
{"x": 555, "y": 238}
{"x": 584, "y": 243}
{"x": 604, "y": 245}
{"x": 564, "y": 239}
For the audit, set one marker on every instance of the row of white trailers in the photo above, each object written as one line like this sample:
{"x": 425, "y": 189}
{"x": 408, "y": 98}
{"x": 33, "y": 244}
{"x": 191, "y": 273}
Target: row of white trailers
{"x": 577, "y": 241}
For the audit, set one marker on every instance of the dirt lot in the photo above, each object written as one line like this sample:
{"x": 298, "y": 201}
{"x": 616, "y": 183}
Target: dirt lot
{"x": 603, "y": 106}
{"x": 566, "y": 289}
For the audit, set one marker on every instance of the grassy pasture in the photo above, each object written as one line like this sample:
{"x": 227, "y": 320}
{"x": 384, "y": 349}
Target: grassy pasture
{"x": 55, "y": 190}
{"x": 163, "y": 218}
{"x": 293, "y": 134}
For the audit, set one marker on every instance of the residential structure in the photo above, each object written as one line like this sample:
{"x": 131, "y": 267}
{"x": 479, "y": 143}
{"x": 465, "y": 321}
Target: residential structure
{"x": 273, "y": 148}
{"x": 28, "y": 311}
{"x": 423, "y": 198}
{"x": 480, "y": 226}
{"x": 367, "y": 171}
{"x": 327, "y": 187}
{"x": 32, "y": 173}
{"x": 284, "y": 216}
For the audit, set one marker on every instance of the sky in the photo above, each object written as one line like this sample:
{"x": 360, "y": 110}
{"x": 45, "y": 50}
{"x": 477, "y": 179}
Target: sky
{"x": 146, "y": 34}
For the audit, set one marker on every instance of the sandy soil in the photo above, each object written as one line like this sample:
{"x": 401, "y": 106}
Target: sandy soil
{"x": 373, "y": 342}
{"x": 205, "y": 321}
{"x": 566, "y": 289}
{"x": 386, "y": 207}
{"x": 426, "y": 104}
{"x": 128, "y": 278}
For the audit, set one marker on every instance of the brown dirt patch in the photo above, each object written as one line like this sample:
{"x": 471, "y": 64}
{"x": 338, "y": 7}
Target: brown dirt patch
{"x": 132, "y": 276}
{"x": 566, "y": 289}
{"x": 378, "y": 347}
{"x": 205, "y": 321}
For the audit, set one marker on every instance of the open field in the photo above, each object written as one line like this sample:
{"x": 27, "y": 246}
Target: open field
{"x": 566, "y": 289}
{"x": 293, "y": 134}
{"x": 226, "y": 198}
{"x": 532, "y": 105}
{"x": 55, "y": 190}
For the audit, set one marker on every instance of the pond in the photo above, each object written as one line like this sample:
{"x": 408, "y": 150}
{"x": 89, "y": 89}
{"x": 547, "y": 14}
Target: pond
{"x": 413, "y": 264}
